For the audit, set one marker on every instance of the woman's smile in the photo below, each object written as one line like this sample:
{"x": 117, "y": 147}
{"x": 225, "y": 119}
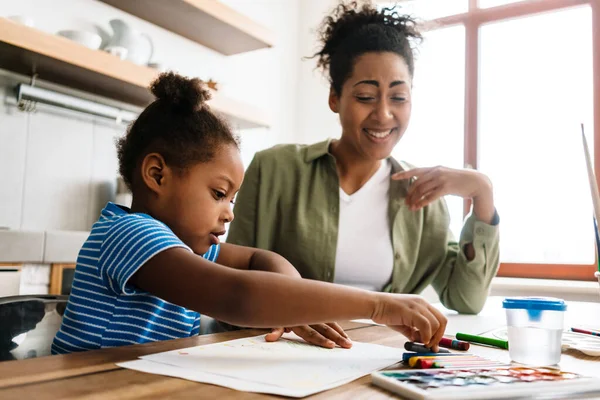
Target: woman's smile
{"x": 379, "y": 135}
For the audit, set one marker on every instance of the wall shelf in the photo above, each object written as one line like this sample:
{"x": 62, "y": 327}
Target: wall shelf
{"x": 56, "y": 59}
{"x": 208, "y": 22}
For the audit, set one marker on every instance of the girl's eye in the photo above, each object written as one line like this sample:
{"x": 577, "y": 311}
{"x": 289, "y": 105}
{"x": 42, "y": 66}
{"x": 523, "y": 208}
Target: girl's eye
{"x": 220, "y": 195}
{"x": 364, "y": 98}
{"x": 399, "y": 98}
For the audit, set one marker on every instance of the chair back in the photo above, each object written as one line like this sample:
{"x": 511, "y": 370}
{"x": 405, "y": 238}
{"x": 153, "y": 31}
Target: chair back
{"x": 28, "y": 324}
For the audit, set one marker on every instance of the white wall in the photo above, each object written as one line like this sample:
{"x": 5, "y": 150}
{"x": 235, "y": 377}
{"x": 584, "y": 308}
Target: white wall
{"x": 58, "y": 171}
{"x": 315, "y": 120}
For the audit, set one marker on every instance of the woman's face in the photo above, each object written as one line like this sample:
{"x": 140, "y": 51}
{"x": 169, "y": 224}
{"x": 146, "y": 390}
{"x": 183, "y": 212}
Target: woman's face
{"x": 374, "y": 104}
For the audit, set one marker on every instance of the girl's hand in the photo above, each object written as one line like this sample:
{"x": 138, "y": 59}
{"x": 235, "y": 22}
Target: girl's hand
{"x": 432, "y": 183}
{"x": 412, "y": 316}
{"x": 324, "y": 335}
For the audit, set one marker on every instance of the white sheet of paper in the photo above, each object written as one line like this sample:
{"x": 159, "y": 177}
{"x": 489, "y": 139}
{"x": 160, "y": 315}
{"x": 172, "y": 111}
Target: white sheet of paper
{"x": 152, "y": 367}
{"x": 288, "y": 367}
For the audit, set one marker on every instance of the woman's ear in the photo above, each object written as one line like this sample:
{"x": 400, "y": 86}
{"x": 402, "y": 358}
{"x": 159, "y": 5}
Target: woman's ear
{"x": 334, "y": 100}
{"x": 153, "y": 171}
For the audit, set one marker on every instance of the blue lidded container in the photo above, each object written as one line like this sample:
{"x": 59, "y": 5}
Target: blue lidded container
{"x": 534, "y": 305}
{"x": 535, "y": 326}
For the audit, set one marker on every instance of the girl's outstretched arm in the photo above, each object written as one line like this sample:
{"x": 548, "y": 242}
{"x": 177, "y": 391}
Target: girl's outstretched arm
{"x": 263, "y": 300}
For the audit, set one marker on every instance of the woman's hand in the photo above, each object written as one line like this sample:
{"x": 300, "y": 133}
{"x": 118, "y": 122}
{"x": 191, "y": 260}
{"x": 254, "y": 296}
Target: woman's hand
{"x": 432, "y": 183}
{"x": 324, "y": 335}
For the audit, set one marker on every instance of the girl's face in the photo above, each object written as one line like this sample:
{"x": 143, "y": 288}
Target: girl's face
{"x": 374, "y": 104}
{"x": 197, "y": 202}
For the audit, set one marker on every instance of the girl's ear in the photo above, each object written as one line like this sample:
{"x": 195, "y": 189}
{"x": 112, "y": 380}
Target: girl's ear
{"x": 334, "y": 100}
{"x": 154, "y": 170}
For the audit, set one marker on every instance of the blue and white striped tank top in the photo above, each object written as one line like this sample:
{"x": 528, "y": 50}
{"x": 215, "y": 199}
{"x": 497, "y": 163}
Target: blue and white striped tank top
{"x": 103, "y": 310}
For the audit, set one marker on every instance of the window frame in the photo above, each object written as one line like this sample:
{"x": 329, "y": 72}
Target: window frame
{"x": 472, "y": 20}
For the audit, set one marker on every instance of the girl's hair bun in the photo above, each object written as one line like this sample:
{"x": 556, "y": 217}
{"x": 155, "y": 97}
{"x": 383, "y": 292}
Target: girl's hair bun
{"x": 180, "y": 93}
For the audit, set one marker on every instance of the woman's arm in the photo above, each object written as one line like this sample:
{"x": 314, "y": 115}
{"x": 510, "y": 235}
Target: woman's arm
{"x": 483, "y": 202}
{"x": 484, "y": 211}
{"x": 465, "y": 269}
{"x": 260, "y": 299}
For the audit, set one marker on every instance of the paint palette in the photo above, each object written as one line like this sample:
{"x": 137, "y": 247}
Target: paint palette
{"x": 484, "y": 383}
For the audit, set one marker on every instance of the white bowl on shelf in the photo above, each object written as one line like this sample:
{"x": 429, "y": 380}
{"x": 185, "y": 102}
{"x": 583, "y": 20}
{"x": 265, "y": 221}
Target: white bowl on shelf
{"x": 84, "y": 38}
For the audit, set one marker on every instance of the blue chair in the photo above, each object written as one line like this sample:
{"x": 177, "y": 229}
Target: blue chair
{"x": 28, "y": 324}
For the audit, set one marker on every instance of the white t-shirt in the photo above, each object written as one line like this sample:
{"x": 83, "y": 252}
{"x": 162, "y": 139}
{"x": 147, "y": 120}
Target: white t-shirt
{"x": 365, "y": 257}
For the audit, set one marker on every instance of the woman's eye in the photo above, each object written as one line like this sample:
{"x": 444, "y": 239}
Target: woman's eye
{"x": 364, "y": 98}
{"x": 220, "y": 195}
{"x": 399, "y": 98}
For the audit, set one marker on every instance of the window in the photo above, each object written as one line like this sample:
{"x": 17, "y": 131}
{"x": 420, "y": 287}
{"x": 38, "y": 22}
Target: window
{"x": 430, "y": 9}
{"x": 494, "y": 3}
{"x": 530, "y": 74}
{"x": 535, "y": 90}
{"x": 442, "y": 90}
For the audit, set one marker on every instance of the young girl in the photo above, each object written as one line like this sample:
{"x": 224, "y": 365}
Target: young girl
{"x": 145, "y": 273}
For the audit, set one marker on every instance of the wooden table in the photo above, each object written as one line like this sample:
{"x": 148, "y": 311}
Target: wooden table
{"x": 94, "y": 375}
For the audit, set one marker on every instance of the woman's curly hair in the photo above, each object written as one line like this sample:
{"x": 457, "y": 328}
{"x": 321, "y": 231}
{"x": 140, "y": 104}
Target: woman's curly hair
{"x": 352, "y": 30}
{"x": 178, "y": 125}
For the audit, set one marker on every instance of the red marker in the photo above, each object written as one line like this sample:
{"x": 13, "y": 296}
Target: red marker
{"x": 579, "y": 331}
{"x": 454, "y": 344}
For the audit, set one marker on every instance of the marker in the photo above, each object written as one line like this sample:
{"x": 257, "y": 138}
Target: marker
{"x": 408, "y": 356}
{"x": 419, "y": 348}
{"x": 415, "y": 361}
{"x": 503, "y": 344}
{"x": 454, "y": 344}
{"x": 585, "y": 331}
{"x": 475, "y": 364}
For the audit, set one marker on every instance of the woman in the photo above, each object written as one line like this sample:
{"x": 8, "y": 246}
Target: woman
{"x": 344, "y": 210}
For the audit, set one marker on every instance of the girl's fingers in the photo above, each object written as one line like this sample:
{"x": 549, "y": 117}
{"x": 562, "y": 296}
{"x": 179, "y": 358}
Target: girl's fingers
{"x": 423, "y": 325}
{"x": 327, "y": 331}
{"x": 433, "y": 322}
{"x": 274, "y": 335}
{"x": 338, "y": 329}
{"x": 312, "y": 336}
{"x": 442, "y": 327}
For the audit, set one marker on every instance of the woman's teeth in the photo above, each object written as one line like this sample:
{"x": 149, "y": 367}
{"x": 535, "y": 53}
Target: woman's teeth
{"x": 379, "y": 134}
